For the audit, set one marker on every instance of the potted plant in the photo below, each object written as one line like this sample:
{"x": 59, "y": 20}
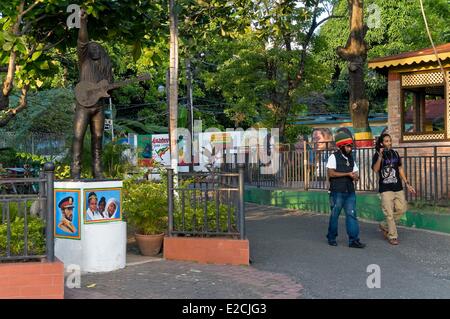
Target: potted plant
{"x": 145, "y": 209}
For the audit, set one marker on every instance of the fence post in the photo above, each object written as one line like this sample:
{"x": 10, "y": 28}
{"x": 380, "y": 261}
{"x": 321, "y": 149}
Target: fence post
{"x": 49, "y": 171}
{"x": 170, "y": 198}
{"x": 241, "y": 202}
{"x": 42, "y": 205}
{"x": 258, "y": 168}
{"x": 305, "y": 166}
{"x": 435, "y": 175}
{"x": 405, "y": 159}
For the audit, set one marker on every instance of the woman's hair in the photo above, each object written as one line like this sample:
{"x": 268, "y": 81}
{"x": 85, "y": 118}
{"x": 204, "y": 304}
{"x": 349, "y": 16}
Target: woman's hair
{"x": 380, "y": 139}
{"x": 326, "y": 132}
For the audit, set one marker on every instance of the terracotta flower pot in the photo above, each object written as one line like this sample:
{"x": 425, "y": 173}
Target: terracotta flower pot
{"x": 149, "y": 245}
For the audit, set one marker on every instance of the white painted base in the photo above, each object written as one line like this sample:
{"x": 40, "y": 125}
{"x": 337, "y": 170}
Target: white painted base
{"x": 102, "y": 246}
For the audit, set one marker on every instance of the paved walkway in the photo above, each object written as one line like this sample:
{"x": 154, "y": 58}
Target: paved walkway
{"x": 290, "y": 260}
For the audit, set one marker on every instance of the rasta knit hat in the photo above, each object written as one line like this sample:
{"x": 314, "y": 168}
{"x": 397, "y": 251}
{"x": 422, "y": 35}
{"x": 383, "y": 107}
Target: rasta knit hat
{"x": 342, "y": 139}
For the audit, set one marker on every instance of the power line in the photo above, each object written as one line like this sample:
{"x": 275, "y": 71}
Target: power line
{"x": 432, "y": 43}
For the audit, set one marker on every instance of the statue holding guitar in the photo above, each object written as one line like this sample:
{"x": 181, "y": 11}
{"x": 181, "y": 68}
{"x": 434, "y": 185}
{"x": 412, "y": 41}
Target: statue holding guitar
{"x": 96, "y": 79}
{"x": 89, "y": 93}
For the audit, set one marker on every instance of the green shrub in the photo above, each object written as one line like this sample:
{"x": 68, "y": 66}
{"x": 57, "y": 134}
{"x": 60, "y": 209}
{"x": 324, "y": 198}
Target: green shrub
{"x": 194, "y": 218}
{"x": 14, "y": 208}
{"x": 145, "y": 206}
{"x": 7, "y": 157}
{"x": 115, "y": 164}
{"x": 36, "y": 238}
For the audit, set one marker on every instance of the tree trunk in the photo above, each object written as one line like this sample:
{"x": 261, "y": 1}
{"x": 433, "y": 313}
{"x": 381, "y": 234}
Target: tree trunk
{"x": 20, "y": 106}
{"x": 173, "y": 88}
{"x": 355, "y": 53}
{"x": 9, "y": 79}
{"x": 8, "y": 83}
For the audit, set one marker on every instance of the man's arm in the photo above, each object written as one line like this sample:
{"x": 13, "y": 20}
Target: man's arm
{"x": 83, "y": 36}
{"x": 331, "y": 168}
{"x": 83, "y": 39}
{"x": 332, "y": 173}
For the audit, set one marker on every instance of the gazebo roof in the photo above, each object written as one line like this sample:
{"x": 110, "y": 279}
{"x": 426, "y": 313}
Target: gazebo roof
{"x": 412, "y": 58}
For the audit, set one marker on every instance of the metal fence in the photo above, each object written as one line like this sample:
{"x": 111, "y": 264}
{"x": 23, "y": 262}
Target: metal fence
{"x": 206, "y": 204}
{"x": 46, "y": 144}
{"x": 427, "y": 168}
{"x": 18, "y": 242}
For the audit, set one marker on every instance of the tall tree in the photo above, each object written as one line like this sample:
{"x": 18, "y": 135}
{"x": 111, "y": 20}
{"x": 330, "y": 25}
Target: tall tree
{"x": 355, "y": 53}
{"x": 290, "y": 27}
{"x": 397, "y": 27}
{"x": 267, "y": 70}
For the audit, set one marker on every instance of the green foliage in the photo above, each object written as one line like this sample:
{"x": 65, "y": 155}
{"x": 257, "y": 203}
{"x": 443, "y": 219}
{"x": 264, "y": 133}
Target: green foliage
{"x": 242, "y": 67}
{"x": 35, "y": 162}
{"x": 115, "y": 164}
{"x": 62, "y": 171}
{"x": 48, "y": 112}
{"x": 261, "y": 75}
{"x": 401, "y": 28}
{"x": 145, "y": 206}
{"x": 293, "y": 132}
{"x": 36, "y": 239}
{"x": 194, "y": 217}
{"x": 7, "y": 157}
{"x": 242, "y": 81}
{"x": 41, "y": 41}
{"x": 31, "y": 159}
{"x": 136, "y": 126}
{"x": 13, "y": 209}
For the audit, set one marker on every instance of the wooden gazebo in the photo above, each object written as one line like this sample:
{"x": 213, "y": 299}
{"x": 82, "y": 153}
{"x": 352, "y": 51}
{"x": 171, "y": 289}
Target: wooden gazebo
{"x": 418, "y": 97}
{"x": 419, "y": 116}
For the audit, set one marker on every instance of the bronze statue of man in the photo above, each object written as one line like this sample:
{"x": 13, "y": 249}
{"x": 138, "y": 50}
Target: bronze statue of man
{"x": 94, "y": 66}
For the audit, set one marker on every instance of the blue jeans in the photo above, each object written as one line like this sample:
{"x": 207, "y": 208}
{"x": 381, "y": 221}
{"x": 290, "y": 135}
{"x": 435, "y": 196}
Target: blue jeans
{"x": 348, "y": 202}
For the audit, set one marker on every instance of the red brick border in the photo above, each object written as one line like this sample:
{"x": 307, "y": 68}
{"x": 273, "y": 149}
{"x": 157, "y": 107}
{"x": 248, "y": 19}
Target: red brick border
{"x": 32, "y": 280}
{"x": 207, "y": 250}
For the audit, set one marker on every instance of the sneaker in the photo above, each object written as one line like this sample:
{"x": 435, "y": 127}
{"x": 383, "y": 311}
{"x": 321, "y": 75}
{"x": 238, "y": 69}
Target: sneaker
{"x": 332, "y": 243}
{"x": 357, "y": 244}
{"x": 393, "y": 241}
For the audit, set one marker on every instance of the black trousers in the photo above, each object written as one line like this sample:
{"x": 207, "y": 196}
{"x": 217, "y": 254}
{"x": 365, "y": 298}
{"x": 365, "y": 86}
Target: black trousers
{"x": 95, "y": 118}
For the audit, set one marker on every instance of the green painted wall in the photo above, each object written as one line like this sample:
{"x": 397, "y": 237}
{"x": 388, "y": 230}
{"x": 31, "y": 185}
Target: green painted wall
{"x": 368, "y": 206}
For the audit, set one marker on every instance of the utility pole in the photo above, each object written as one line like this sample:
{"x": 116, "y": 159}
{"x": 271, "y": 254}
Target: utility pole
{"x": 112, "y": 119}
{"x": 190, "y": 111}
{"x": 173, "y": 89}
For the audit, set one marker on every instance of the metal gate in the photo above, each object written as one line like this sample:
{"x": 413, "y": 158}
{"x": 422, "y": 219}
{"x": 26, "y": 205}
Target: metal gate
{"x": 27, "y": 221}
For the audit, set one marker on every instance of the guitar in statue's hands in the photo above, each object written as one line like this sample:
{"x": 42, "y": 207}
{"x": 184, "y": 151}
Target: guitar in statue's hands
{"x": 89, "y": 93}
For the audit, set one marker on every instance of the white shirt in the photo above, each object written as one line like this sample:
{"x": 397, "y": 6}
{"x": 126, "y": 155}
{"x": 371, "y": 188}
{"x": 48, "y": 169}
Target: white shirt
{"x": 331, "y": 164}
{"x": 93, "y": 215}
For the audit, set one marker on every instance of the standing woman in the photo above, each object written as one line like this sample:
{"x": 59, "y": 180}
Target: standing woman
{"x": 387, "y": 162}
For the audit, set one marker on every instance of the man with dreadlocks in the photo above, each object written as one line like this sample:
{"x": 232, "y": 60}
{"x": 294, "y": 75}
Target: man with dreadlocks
{"x": 388, "y": 164}
{"x": 342, "y": 173}
{"x": 94, "y": 65}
